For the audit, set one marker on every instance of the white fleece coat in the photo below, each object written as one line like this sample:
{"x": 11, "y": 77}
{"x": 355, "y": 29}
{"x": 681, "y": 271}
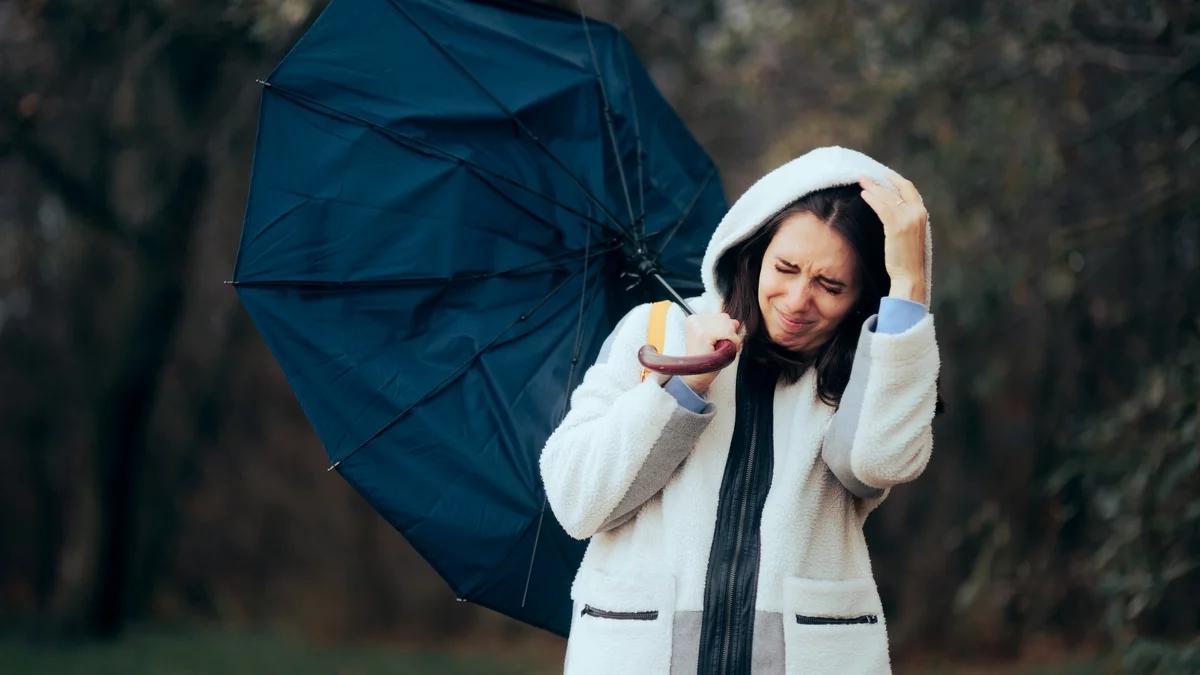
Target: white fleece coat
{"x": 627, "y": 446}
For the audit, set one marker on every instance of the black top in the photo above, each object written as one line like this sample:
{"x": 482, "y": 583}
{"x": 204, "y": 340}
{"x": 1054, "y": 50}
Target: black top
{"x": 727, "y": 626}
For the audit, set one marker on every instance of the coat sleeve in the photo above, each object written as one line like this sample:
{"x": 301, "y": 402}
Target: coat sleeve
{"x": 882, "y": 432}
{"x": 622, "y": 439}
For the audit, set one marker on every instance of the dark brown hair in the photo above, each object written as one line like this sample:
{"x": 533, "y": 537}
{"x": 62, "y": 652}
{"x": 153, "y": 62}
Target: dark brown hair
{"x": 738, "y": 269}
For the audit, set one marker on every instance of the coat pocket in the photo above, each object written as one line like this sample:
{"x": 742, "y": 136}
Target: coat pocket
{"x": 834, "y": 627}
{"x": 621, "y": 623}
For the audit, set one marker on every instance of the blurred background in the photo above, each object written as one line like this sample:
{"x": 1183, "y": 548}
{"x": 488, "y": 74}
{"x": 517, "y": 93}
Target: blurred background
{"x": 164, "y": 504}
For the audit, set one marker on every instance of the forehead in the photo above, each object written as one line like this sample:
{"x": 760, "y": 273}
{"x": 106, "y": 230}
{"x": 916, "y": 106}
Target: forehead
{"x": 803, "y": 239}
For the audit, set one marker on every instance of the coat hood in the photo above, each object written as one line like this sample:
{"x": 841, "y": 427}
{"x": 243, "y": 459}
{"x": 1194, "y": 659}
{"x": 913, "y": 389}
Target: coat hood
{"x": 815, "y": 170}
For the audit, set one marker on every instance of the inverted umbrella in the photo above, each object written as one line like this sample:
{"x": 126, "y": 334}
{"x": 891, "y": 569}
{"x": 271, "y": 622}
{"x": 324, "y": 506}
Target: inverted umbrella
{"x": 452, "y": 203}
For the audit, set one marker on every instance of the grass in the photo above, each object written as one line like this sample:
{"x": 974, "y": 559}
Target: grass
{"x": 192, "y": 651}
{"x": 160, "y": 652}
{"x": 1078, "y": 666}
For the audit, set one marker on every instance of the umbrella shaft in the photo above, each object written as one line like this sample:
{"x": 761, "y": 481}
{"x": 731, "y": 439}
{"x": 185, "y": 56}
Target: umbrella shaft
{"x": 674, "y": 295}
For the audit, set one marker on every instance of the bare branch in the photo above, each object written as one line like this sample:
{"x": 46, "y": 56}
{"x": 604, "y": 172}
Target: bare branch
{"x": 1132, "y": 103}
{"x": 87, "y": 202}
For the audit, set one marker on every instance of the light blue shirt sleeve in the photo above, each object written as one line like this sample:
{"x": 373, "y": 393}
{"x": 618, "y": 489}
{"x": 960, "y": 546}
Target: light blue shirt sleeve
{"x": 685, "y": 395}
{"x": 897, "y": 315}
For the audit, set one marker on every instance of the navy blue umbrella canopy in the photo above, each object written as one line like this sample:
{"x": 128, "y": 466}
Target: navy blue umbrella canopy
{"x": 449, "y": 204}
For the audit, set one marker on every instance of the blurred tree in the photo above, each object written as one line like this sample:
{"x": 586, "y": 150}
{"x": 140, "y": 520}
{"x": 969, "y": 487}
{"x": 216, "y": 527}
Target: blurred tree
{"x": 164, "y": 467}
{"x": 118, "y": 112}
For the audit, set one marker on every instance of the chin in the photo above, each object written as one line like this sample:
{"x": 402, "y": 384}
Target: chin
{"x": 783, "y": 339}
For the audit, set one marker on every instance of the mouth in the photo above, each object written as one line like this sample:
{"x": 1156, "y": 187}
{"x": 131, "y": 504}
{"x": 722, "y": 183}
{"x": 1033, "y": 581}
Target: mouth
{"x": 792, "y": 326}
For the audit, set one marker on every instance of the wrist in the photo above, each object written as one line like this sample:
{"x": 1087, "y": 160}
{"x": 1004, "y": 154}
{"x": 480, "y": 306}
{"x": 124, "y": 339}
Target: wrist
{"x": 907, "y": 288}
{"x": 699, "y": 387}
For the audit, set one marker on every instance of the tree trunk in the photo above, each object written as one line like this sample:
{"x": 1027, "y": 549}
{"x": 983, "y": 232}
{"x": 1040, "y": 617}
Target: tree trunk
{"x": 126, "y": 406}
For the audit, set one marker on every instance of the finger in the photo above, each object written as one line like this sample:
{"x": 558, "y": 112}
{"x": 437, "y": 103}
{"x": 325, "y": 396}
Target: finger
{"x": 905, "y": 187}
{"x": 872, "y": 183}
{"x": 878, "y": 199}
{"x": 871, "y": 198}
{"x": 892, "y": 188}
{"x": 886, "y": 192}
{"x": 880, "y": 204}
{"x": 891, "y": 196}
{"x": 899, "y": 180}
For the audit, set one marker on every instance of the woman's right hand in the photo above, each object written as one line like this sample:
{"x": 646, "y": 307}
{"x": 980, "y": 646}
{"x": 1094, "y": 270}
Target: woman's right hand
{"x": 701, "y": 334}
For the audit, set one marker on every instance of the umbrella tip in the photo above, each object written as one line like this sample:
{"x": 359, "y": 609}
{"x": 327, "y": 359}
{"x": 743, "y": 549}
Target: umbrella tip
{"x": 334, "y": 466}
{"x": 228, "y": 282}
{"x": 262, "y": 82}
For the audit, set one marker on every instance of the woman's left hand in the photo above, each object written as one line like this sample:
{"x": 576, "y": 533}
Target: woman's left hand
{"x": 903, "y": 215}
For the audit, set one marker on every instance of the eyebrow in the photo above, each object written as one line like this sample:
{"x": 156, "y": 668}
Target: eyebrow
{"x": 830, "y": 280}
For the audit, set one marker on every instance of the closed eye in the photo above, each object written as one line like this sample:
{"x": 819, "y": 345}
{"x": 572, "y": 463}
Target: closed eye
{"x": 830, "y": 289}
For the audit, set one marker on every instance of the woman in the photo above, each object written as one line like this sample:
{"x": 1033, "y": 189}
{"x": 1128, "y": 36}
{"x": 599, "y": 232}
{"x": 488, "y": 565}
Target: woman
{"x": 725, "y": 510}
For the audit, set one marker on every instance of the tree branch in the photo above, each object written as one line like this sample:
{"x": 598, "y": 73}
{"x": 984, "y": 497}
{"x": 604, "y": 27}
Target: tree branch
{"x": 89, "y": 204}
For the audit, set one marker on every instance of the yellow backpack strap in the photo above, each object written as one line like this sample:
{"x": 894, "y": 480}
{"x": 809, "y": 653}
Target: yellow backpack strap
{"x": 657, "y": 331}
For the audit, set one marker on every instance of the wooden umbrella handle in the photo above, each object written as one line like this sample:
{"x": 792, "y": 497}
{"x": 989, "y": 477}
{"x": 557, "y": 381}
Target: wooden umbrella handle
{"x": 721, "y": 356}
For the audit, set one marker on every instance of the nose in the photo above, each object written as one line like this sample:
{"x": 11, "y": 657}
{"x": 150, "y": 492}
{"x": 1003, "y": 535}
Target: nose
{"x": 797, "y": 301}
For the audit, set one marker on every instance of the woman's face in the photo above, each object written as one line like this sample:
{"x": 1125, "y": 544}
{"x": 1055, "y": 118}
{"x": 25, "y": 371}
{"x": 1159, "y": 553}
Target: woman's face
{"x": 808, "y": 283}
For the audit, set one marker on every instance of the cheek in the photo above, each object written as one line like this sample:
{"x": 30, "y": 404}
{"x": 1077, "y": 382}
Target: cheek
{"x": 768, "y": 285}
{"x": 835, "y": 307}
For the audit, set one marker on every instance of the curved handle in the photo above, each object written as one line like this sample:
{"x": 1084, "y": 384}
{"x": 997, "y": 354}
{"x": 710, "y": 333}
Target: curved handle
{"x": 721, "y": 356}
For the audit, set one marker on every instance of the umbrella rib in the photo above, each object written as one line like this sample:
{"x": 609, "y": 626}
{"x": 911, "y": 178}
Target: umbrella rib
{"x": 419, "y": 146}
{"x": 520, "y": 207}
{"x": 537, "y": 536}
{"x": 686, "y": 212}
{"x": 481, "y": 175}
{"x": 565, "y": 398}
{"x": 637, "y": 134}
{"x": 608, "y": 122}
{"x": 454, "y": 373}
{"x": 500, "y": 104}
{"x": 423, "y": 281}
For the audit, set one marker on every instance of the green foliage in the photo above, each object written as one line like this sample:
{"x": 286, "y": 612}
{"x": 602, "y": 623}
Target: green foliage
{"x": 203, "y": 653}
{"x": 1152, "y": 657}
{"x": 1137, "y": 463}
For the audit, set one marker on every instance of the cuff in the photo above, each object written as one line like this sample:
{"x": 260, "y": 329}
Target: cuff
{"x": 685, "y": 395}
{"x": 897, "y": 315}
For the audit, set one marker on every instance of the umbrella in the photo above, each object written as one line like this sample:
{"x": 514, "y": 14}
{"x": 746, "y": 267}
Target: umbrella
{"x": 451, "y": 205}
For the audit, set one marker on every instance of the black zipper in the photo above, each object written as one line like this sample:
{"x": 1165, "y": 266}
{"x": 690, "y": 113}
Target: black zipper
{"x": 607, "y": 614}
{"x": 737, "y": 549}
{"x": 835, "y": 620}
